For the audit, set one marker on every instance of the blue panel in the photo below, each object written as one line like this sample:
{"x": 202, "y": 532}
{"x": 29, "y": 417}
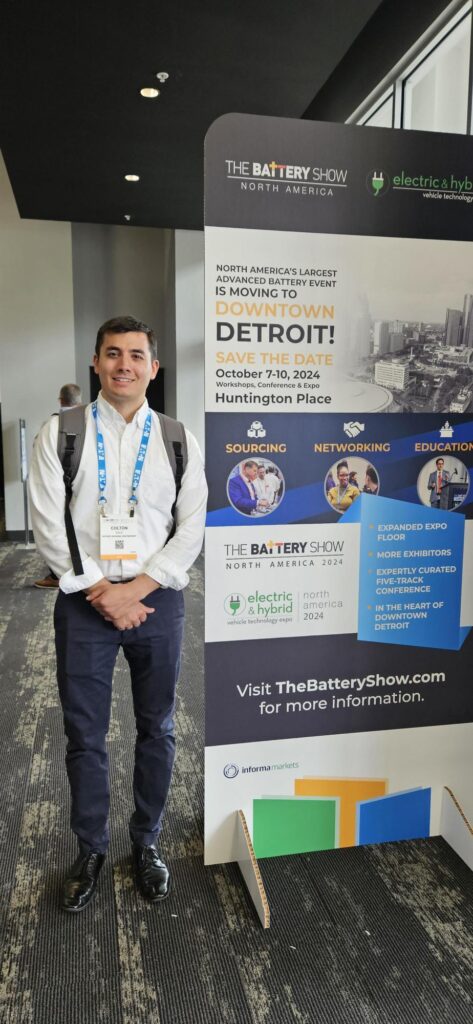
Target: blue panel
{"x": 397, "y": 816}
{"x": 410, "y": 573}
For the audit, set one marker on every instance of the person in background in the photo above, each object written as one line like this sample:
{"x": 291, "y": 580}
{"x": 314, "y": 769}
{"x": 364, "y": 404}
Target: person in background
{"x": 260, "y": 483}
{"x": 70, "y": 395}
{"x": 371, "y": 481}
{"x": 344, "y": 494}
{"x": 242, "y": 491}
{"x": 273, "y": 483}
{"x": 437, "y": 483}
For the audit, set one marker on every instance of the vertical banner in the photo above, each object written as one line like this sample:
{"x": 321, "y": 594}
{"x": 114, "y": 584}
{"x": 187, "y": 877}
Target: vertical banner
{"x": 339, "y": 450}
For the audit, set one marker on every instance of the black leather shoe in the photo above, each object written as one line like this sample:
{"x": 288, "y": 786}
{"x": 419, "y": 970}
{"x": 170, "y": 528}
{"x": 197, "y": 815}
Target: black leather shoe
{"x": 81, "y": 881}
{"x": 151, "y": 874}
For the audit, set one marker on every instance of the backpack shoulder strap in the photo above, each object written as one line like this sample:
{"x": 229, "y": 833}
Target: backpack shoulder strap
{"x": 70, "y": 443}
{"x": 175, "y": 443}
{"x": 71, "y": 426}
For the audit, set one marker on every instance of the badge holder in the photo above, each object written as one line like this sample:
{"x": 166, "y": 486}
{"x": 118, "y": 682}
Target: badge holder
{"x": 118, "y": 534}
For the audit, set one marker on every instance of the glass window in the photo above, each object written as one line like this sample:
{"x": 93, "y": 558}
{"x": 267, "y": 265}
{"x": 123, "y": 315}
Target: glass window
{"x": 436, "y": 91}
{"x": 381, "y": 116}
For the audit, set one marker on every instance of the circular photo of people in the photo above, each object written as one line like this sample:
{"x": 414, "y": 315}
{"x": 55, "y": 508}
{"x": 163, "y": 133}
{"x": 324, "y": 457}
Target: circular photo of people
{"x": 255, "y": 487}
{"x": 443, "y": 483}
{"x": 347, "y": 479}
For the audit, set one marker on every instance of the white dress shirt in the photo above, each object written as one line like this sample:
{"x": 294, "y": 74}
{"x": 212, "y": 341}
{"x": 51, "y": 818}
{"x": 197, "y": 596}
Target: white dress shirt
{"x": 263, "y": 488}
{"x": 268, "y": 487}
{"x": 165, "y": 563}
{"x": 274, "y": 484}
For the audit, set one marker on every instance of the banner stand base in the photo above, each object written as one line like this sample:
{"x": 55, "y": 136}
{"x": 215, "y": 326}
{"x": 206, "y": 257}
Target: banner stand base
{"x": 245, "y": 856}
{"x": 455, "y": 827}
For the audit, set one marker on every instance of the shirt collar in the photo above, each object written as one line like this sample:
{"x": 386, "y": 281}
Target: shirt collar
{"x": 110, "y": 415}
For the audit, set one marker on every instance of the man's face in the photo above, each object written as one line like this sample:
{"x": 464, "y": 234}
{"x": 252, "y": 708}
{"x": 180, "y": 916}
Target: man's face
{"x": 261, "y": 472}
{"x": 250, "y": 472}
{"x": 343, "y": 476}
{"x": 439, "y": 464}
{"x": 125, "y": 367}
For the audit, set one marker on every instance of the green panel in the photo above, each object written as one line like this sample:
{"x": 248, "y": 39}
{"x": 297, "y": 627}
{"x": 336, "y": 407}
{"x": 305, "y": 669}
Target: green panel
{"x": 294, "y": 825}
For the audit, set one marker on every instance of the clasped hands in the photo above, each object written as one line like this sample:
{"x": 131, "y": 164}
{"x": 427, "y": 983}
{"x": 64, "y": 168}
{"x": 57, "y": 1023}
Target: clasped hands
{"x": 120, "y": 603}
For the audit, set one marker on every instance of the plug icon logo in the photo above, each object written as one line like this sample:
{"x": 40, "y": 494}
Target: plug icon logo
{"x": 233, "y": 604}
{"x": 377, "y": 182}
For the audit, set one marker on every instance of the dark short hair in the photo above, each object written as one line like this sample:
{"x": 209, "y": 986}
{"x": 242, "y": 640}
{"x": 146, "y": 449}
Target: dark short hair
{"x": 123, "y": 325}
{"x": 340, "y": 464}
{"x": 250, "y": 463}
{"x": 440, "y": 459}
{"x": 372, "y": 474}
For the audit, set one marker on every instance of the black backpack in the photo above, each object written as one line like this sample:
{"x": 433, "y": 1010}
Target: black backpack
{"x": 70, "y": 443}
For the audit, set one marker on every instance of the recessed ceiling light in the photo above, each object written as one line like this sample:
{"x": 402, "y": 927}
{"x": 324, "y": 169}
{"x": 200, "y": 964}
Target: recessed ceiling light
{"x": 149, "y": 94}
{"x": 163, "y": 76}
{"x": 132, "y": 177}
{"x": 127, "y": 216}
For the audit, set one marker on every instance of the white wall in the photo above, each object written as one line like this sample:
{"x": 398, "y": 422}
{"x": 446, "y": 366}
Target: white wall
{"x": 36, "y": 331}
{"x": 117, "y": 271}
{"x": 58, "y": 284}
{"x": 189, "y": 277}
{"x": 170, "y": 323}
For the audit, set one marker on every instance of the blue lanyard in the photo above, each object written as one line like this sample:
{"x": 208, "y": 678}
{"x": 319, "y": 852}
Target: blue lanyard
{"x": 101, "y": 464}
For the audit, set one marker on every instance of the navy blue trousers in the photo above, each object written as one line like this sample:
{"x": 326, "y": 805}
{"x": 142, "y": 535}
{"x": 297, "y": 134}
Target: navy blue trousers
{"x": 86, "y": 649}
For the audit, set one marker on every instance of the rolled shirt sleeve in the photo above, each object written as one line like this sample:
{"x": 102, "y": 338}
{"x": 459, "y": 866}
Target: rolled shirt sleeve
{"x": 169, "y": 565}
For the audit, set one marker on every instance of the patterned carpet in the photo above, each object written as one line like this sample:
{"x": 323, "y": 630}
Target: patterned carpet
{"x": 380, "y": 935}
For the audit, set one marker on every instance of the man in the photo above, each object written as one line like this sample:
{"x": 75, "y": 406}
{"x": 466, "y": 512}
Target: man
{"x": 371, "y": 481}
{"x": 274, "y": 484}
{"x": 437, "y": 483}
{"x": 70, "y": 395}
{"x": 242, "y": 492}
{"x": 260, "y": 484}
{"x": 344, "y": 494}
{"x": 124, "y": 488}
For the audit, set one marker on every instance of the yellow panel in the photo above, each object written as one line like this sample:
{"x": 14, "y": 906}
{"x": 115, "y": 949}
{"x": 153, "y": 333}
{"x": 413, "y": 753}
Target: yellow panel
{"x": 117, "y": 558}
{"x": 349, "y": 791}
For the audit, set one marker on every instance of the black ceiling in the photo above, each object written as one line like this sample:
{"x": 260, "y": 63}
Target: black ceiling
{"x": 74, "y": 122}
